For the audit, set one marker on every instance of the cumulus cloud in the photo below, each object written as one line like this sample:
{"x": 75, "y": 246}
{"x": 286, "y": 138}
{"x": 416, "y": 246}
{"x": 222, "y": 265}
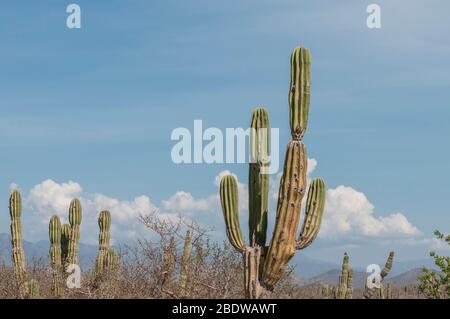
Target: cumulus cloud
{"x": 349, "y": 212}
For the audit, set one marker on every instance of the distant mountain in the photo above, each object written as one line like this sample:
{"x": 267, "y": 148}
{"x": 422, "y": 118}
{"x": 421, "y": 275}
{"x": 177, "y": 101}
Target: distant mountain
{"x": 401, "y": 267}
{"x": 332, "y": 278}
{"x": 406, "y": 278}
{"x": 39, "y": 251}
{"x": 307, "y": 267}
{"x": 359, "y": 278}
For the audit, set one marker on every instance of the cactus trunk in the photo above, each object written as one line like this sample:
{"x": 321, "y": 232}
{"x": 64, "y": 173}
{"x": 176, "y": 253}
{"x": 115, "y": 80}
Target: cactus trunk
{"x": 17, "y": 254}
{"x": 292, "y": 188}
{"x": 55, "y": 254}
{"x": 75, "y": 216}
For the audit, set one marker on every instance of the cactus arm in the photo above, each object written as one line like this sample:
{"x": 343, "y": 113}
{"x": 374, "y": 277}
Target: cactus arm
{"x": 388, "y": 266}
{"x": 292, "y": 188}
{"x": 315, "y": 205}
{"x": 258, "y": 177}
{"x": 229, "y": 201}
{"x": 17, "y": 253}
{"x": 299, "y": 93}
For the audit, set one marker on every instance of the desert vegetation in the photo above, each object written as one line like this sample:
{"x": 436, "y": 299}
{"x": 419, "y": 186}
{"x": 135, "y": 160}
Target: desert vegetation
{"x": 183, "y": 261}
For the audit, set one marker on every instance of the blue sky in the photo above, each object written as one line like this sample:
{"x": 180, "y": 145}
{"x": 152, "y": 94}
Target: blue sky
{"x": 96, "y": 106}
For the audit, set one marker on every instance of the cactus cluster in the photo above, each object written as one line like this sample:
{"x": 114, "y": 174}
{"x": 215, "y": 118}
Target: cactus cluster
{"x": 107, "y": 260}
{"x": 264, "y": 266}
{"x": 371, "y": 293}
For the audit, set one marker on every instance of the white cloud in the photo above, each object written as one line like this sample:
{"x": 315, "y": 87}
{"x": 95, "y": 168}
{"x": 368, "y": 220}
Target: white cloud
{"x": 349, "y": 212}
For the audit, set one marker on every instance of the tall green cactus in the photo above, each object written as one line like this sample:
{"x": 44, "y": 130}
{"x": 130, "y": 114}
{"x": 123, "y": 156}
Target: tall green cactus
{"x": 344, "y": 289}
{"x": 370, "y": 293}
{"x": 185, "y": 263}
{"x": 75, "y": 216}
{"x": 17, "y": 254}
{"x": 107, "y": 260}
{"x": 264, "y": 266}
{"x": 55, "y": 253}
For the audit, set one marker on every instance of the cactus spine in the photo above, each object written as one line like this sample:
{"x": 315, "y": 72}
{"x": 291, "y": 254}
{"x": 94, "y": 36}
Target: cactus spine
{"x": 185, "y": 263}
{"x": 370, "y": 293}
{"x": 75, "y": 216}
{"x": 107, "y": 260}
{"x": 17, "y": 256}
{"x": 55, "y": 253}
{"x": 264, "y": 266}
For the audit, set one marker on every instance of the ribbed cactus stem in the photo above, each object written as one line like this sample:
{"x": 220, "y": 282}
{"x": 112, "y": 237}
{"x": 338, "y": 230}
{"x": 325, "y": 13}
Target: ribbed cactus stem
{"x": 292, "y": 188}
{"x": 343, "y": 279}
{"x": 315, "y": 205}
{"x": 65, "y": 240}
{"x": 229, "y": 201}
{"x": 55, "y": 253}
{"x": 17, "y": 253}
{"x": 185, "y": 262}
{"x": 104, "y": 223}
{"x": 299, "y": 93}
{"x": 75, "y": 216}
{"x": 349, "y": 294}
{"x": 258, "y": 184}
{"x": 107, "y": 260}
{"x": 32, "y": 288}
